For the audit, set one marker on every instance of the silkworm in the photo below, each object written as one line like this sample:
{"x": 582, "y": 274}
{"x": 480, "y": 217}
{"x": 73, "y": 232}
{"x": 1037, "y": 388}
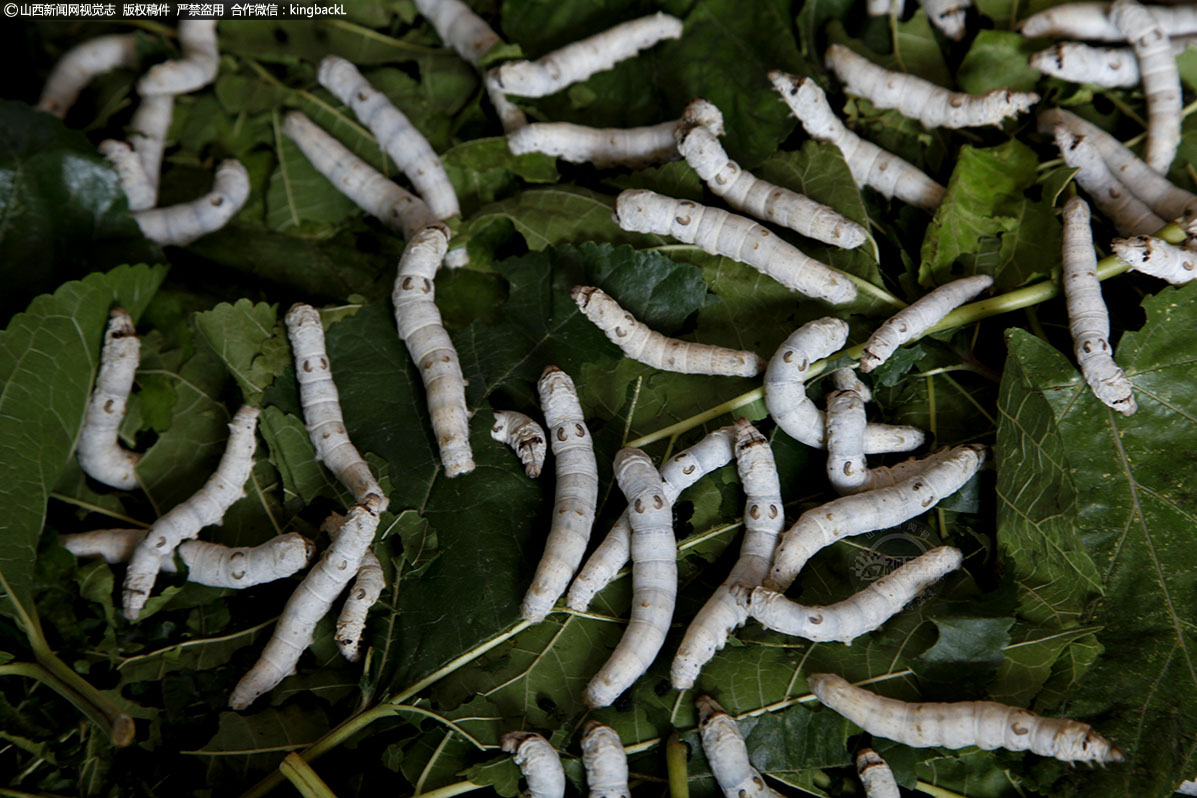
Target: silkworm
{"x": 179, "y": 225}
{"x": 875, "y": 776}
{"x": 785, "y": 391}
{"x": 883, "y": 508}
{"x": 1092, "y": 22}
{"x": 578, "y": 61}
{"x": 459, "y": 28}
{"x": 363, "y": 594}
{"x": 681, "y": 471}
{"x": 920, "y": 99}
{"x": 654, "y": 578}
{"x": 525, "y": 437}
{"x": 914, "y": 320}
{"x": 645, "y": 345}
{"x": 538, "y": 761}
{"x": 309, "y": 603}
{"x": 147, "y": 135}
{"x": 196, "y": 69}
{"x": 721, "y": 233}
{"x": 764, "y": 517}
{"x": 870, "y": 165}
{"x": 80, "y": 65}
{"x": 1088, "y": 320}
{"x": 749, "y": 194}
{"x": 727, "y": 754}
{"x": 1129, "y": 214}
{"x": 420, "y": 328}
{"x": 605, "y": 761}
{"x": 985, "y": 724}
{"x": 1109, "y": 67}
{"x": 604, "y": 147}
{"x": 100, "y": 453}
{"x": 394, "y": 206}
{"x": 574, "y": 496}
{"x": 1160, "y": 77}
{"x": 206, "y": 507}
{"x": 140, "y": 193}
{"x": 1155, "y": 256}
{"x": 207, "y": 563}
{"x": 948, "y": 16}
{"x": 855, "y": 616}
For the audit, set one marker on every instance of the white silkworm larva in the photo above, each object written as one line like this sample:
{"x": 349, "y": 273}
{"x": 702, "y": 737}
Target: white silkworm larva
{"x": 431, "y": 349}
{"x": 1155, "y": 256}
{"x": 322, "y": 405}
{"x": 574, "y": 496}
{"x": 985, "y": 724}
{"x": 79, "y": 65}
{"x": 1088, "y": 320}
{"x": 538, "y": 761}
{"x": 654, "y": 578}
{"x": 721, "y": 233}
{"x": 207, "y": 563}
{"x": 870, "y": 165}
{"x": 511, "y": 115}
{"x": 1161, "y": 80}
{"x": 309, "y": 603}
{"x": 100, "y": 453}
{"x": 727, "y": 754}
{"x": 819, "y": 527}
{"x": 398, "y": 136}
{"x": 147, "y": 134}
{"x": 604, "y": 147}
{"x": 179, "y": 225}
{"x": 394, "y": 206}
{"x": 140, "y": 193}
{"x": 880, "y": 8}
{"x": 363, "y": 593}
{"x": 875, "y": 776}
{"x": 184, "y": 521}
{"x": 578, "y": 61}
{"x": 525, "y": 437}
{"x": 1109, "y": 67}
{"x": 748, "y": 193}
{"x": 1167, "y": 200}
{"x": 1091, "y": 22}
{"x": 654, "y": 349}
{"x": 460, "y": 28}
{"x": 948, "y": 16}
{"x": 605, "y": 761}
{"x": 911, "y": 322}
{"x": 196, "y": 69}
{"x": 683, "y": 470}
{"x": 785, "y": 391}
{"x": 920, "y": 99}
{"x": 764, "y": 518}
{"x": 858, "y": 615}
{"x": 847, "y": 469}
{"x": 846, "y": 380}
{"x": 1128, "y": 213}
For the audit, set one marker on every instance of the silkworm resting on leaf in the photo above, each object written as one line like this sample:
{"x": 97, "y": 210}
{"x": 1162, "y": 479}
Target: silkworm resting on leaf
{"x": 525, "y": 437}
{"x": 1093, "y": 22}
{"x": 100, "y": 453}
{"x": 1129, "y": 214}
{"x": 179, "y": 225}
{"x": 79, "y": 65}
{"x": 538, "y": 761}
{"x": 727, "y": 754}
{"x": 985, "y": 724}
{"x": 459, "y": 28}
{"x": 196, "y": 69}
{"x": 604, "y": 147}
{"x": 1160, "y": 77}
{"x": 875, "y": 776}
{"x": 1108, "y": 67}
{"x": 605, "y": 761}
{"x": 363, "y": 593}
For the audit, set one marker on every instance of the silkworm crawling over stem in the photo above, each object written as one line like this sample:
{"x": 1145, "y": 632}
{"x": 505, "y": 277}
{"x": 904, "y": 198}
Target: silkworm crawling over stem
{"x": 911, "y": 322}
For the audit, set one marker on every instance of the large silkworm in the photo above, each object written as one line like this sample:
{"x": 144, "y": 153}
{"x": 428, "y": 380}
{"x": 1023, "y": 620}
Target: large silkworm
{"x": 179, "y": 225}
{"x": 727, "y": 754}
{"x": 80, "y": 65}
{"x": 1092, "y": 22}
{"x": 605, "y": 761}
{"x": 1160, "y": 77}
{"x": 1108, "y": 67}
{"x": 538, "y": 761}
{"x": 1155, "y": 256}
{"x": 196, "y": 69}
{"x": 1128, "y": 213}
{"x": 100, "y": 453}
{"x": 875, "y": 776}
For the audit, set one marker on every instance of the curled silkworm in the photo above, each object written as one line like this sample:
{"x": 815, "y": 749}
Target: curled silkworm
{"x": 179, "y": 225}
{"x": 647, "y": 346}
{"x": 681, "y": 471}
{"x": 538, "y": 761}
{"x": 196, "y": 69}
{"x": 184, "y": 521}
{"x": 1129, "y": 214}
{"x": 419, "y": 323}
{"x": 460, "y": 28}
{"x": 883, "y": 508}
{"x": 920, "y": 99}
{"x": 578, "y": 61}
{"x": 745, "y": 192}
{"x": 207, "y": 563}
{"x": 785, "y": 391}
{"x": 721, "y": 233}
{"x": 1155, "y": 256}
{"x": 605, "y": 761}
{"x": 395, "y": 133}
{"x": 870, "y": 165}
{"x": 875, "y": 776}
{"x": 764, "y": 517}
{"x": 575, "y": 494}
{"x": 524, "y": 436}
{"x": 911, "y": 322}
{"x": 1092, "y": 22}
{"x": 1088, "y": 320}
{"x": 100, "y": 453}
{"x": 604, "y": 147}
{"x": 1108, "y": 67}
{"x": 727, "y": 754}
{"x": 985, "y": 724}
{"x": 948, "y": 16}
{"x": 79, "y": 65}
{"x": 654, "y": 578}
{"x": 309, "y": 603}
{"x": 1160, "y": 77}
{"x": 859, "y": 614}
